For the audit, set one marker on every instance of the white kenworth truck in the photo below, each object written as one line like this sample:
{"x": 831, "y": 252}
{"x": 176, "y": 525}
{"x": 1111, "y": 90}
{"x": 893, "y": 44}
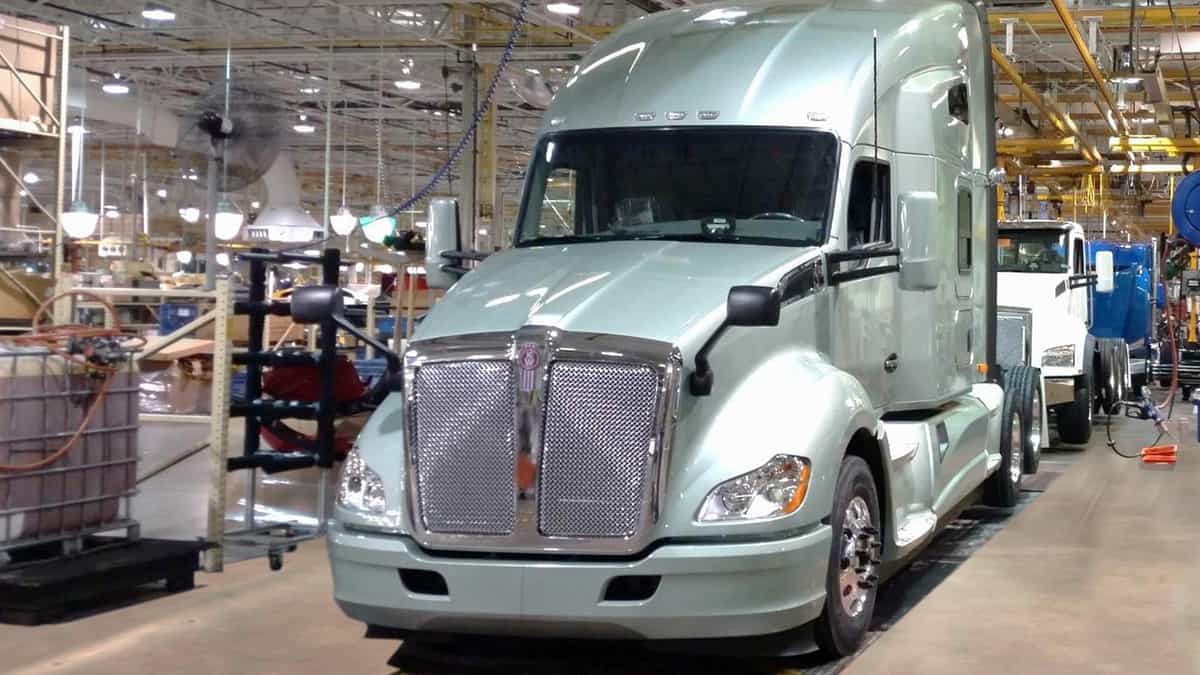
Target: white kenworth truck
{"x": 739, "y": 363}
{"x": 1045, "y": 312}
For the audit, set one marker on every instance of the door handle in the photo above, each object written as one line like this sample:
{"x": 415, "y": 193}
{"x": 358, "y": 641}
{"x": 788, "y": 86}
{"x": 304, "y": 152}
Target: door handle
{"x": 891, "y": 363}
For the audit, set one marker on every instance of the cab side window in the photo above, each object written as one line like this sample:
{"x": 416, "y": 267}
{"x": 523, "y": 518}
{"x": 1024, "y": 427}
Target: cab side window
{"x": 869, "y": 213}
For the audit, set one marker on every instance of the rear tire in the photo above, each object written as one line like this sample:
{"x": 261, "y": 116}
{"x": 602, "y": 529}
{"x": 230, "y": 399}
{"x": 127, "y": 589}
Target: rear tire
{"x": 1024, "y": 385}
{"x": 1075, "y": 419}
{"x": 1003, "y": 487}
{"x": 852, "y": 577}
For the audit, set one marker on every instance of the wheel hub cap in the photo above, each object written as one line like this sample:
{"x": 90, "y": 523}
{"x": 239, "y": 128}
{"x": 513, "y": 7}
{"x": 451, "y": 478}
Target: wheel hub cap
{"x": 1014, "y": 449}
{"x": 1035, "y": 423}
{"x": 860, "y": 546}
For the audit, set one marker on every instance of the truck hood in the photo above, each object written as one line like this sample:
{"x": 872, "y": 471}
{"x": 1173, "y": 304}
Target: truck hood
{"x": 1029, "y": 290}
{"x": 662, "y": 290}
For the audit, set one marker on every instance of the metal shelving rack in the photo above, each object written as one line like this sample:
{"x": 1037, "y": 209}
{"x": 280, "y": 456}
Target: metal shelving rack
{"x": 53, "y": 116}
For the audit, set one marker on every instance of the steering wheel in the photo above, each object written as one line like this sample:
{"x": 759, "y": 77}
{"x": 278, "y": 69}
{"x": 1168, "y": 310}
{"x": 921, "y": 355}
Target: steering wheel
{"x": 773, "y": 215}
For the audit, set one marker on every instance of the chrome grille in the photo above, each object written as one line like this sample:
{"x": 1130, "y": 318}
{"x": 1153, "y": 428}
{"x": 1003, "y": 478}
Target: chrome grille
{"x": 599, "y": 428}
{"x": 465, "y": 447}
{"x": 1012, "y": 339}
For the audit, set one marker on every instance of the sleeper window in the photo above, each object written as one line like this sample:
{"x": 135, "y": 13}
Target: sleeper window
{"x": 869, "y": 213}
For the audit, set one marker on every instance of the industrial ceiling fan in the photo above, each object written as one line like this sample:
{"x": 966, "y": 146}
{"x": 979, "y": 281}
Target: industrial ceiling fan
{"x": 235, "y": 129}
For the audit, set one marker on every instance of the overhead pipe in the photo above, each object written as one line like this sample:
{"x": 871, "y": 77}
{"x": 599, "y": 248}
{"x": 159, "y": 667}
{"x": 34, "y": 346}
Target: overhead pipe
{"x": 1049, "y": 110}
{"x": 1093, "y": 68}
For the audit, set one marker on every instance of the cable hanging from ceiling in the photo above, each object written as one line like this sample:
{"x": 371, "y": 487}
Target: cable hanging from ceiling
{"x": 480, "y": 111}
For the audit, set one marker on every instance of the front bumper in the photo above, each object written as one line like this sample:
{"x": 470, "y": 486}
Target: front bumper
{"x": 706, "y": 589}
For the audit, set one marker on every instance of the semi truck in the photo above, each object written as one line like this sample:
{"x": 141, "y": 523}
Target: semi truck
{"x": 739, "y": 363}
{"x": 1047, "y": 320}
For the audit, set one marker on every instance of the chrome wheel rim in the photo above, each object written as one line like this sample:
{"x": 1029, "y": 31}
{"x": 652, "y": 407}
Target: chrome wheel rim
{"x": 1035, "y": 422}
{"x": 1014, "y": 448}
{"x": 859, "y": 557}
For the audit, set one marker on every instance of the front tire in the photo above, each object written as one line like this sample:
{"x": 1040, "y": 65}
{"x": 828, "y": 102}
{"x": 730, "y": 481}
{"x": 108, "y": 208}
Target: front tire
{"x": 852, "y": 578}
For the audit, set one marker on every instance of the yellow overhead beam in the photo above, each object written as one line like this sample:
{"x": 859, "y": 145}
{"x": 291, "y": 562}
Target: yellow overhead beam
{"x": 1174, "y": 146}
{"x": 1057, "y": 117}
{"x": 1068, "y": 23}
{"x": 1029, "y": 146}
{"x": 1156, "y": 168}
{"x": 1146, "y": 18}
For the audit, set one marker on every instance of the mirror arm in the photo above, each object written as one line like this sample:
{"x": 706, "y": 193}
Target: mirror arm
{"x": 701, "y": 380}
{"x": 393, "y": 361}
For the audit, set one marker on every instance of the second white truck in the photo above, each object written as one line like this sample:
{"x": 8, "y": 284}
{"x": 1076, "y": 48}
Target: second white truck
{"x": 1045, "y": 312}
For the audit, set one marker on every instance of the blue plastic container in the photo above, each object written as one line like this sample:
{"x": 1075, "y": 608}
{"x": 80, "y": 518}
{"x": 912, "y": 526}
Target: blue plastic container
{"x": 174, "y": 315}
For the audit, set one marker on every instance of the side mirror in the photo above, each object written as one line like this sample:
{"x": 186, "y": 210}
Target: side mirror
{"x": 441, "y": 234}
{"x": 314, "y": 304}
{"x": 752, "y": 306}
{"x": 745, "y": 306}
{"x": 1105, "y": 281}
{"x": 920, "y": 266}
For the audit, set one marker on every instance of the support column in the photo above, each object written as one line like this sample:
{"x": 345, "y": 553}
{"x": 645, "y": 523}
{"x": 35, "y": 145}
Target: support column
{"x": 486, "y": 194}
{"x": 468, "y": 162}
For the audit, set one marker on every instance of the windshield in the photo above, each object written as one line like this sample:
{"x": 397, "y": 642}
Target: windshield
{"x": 740, "y": 185}
{"x": 1042, "y": 251}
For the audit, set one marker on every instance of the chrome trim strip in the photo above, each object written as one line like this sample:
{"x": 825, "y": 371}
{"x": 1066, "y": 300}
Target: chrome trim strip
{"x": 551, "y": 345}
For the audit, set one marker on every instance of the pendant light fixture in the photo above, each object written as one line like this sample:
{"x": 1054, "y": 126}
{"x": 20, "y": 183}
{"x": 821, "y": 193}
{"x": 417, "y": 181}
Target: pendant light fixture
{"x": 79, "y": 221}
{"x": 379, "y": 223}
{"x": 343, "y": 221}
{"x": 228, "y": 221}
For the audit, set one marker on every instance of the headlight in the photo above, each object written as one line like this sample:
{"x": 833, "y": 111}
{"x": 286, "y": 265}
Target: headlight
{"x": 776, "y": 488}
{"x": 360, "y": 488}
{"x": 1062, "y": 356}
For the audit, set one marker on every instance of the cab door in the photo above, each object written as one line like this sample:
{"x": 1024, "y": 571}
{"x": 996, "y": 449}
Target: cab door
{"x": 864, "y": 341}
{"x": 1078, "y": 286}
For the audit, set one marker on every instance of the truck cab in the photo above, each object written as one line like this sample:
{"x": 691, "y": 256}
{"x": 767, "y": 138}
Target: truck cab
{"x": 1046, "y": 310}
{"x": 737, "y": 365}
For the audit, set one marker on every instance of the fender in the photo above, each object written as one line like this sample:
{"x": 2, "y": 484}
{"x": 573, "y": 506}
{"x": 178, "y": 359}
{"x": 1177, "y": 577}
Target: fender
{"x": 793, "y": 401}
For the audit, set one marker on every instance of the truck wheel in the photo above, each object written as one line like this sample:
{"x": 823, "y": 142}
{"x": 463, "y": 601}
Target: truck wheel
{"x": 1004, "y": 485}
{"x": 850, "y": 582}
{"x": 1075, "y": 419}
{"x": 1109, "y": 377}
{"x": 1024, "y": 385}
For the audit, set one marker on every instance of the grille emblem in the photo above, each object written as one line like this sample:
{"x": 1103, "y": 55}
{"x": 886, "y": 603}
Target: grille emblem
{"x": 529, "y": 357}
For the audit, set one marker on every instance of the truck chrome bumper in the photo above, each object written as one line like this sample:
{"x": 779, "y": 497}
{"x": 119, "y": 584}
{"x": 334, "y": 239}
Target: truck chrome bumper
{"x": 704, "y": 590}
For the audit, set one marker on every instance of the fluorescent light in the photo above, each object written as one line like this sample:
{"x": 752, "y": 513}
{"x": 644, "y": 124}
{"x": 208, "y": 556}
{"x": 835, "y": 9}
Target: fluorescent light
{"x": 408, "y": 84}
{"x": 255, "y": 204}
{"x": 115, "y": 88}
{"x": 112, "y": 213}
{"x": 190, "y": 214}
{"x": 184, "y": 257}
{"x": 304, "y": 128}
{"x": 358, "y": 267}
{"x": 223, "y": 259}
{"x": 161, "y": 193}
{"x": 310, "y": 90}
{"x": 157, "y": 13}
{"x": 564, "y": 8}
{"x": 312, "y": 251}
{"x": 30, "y": 178}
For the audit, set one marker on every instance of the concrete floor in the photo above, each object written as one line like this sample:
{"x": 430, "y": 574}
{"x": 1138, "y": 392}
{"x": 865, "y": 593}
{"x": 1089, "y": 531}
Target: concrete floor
{"x": 1096, "y": 575}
